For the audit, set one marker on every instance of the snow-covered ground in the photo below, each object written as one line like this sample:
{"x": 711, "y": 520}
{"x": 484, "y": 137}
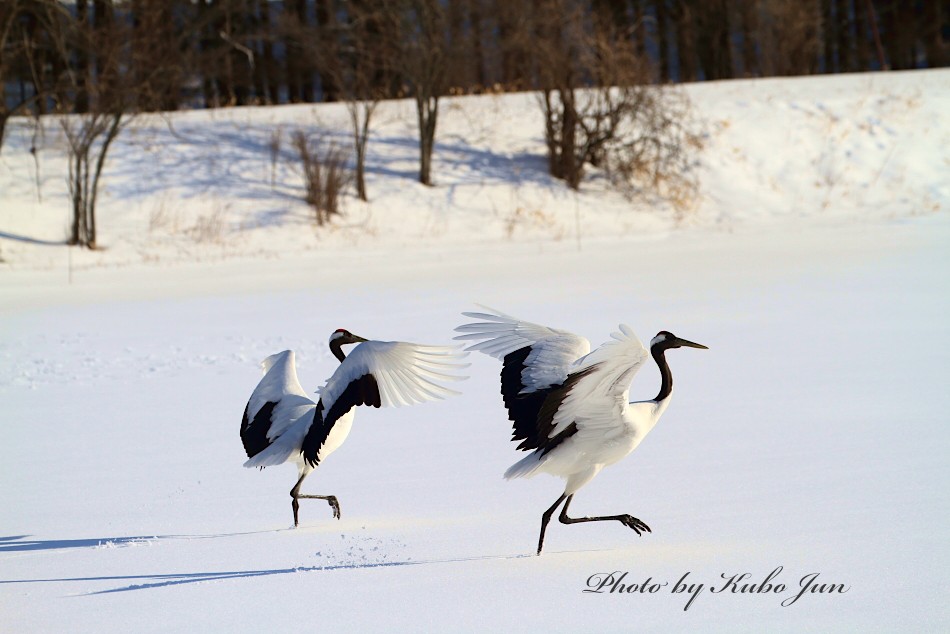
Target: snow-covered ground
{"x": 201, "y": 186}
{"x": 812, "y": 434}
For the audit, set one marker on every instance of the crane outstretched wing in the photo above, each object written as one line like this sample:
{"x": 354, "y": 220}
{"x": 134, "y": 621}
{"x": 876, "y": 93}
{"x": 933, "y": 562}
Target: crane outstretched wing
{"x": 277, "y": 404}
{"x": 552, "y": 351}
{"x": 382, "y": 374}
{"x": 536, "y": 360}
{"x": 590, "y": 402}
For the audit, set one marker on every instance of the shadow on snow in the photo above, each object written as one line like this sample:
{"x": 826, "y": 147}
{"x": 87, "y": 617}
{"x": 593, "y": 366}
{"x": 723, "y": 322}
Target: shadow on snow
{"x": 20, "y": 543}
{"x": 27, "y": 239}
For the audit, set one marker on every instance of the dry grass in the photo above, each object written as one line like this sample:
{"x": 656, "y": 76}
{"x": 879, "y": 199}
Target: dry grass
{"x": 530, "y": 219}
{"x": 325, "y": 175}
{"x": 209, "y": 228}
{"x": 274, "y": 146}
{"x": 163, "y": 217}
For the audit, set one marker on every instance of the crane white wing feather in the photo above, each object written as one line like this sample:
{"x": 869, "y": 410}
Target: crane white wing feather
{"x": 553, "y": 352}
{"x": 406, "y": 373}
{"x": 599, "y": 389}
{"x": 281, "y": 386}
{"x": 287, "y": 446}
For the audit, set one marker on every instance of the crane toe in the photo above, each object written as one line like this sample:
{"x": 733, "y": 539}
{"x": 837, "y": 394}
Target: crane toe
{"x": 637, "y": 525}
{"x": 335, "y": 504}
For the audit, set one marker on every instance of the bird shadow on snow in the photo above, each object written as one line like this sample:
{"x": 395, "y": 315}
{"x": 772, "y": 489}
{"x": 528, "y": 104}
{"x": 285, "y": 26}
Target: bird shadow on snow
{"x": 21, "y": 543}
{"x": 160, "y": 581}
{"x": 151, "y": 581}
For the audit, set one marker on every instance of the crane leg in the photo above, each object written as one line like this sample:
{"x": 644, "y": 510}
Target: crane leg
{"x": 547, "y": 518}
{"x": 627, "y": 520}
{"x": 296, "y": 495}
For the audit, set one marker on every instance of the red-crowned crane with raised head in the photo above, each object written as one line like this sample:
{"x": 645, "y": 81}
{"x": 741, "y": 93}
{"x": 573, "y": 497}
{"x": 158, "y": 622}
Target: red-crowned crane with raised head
{"x": 569, "y": 406}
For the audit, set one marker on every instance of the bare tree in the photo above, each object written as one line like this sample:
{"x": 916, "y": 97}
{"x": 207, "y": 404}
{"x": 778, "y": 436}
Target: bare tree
{"x": 423, "y": 64}
{"x": 11, "y": 48}
{"x": 266, "y": 78}
{"x": 90, "y": 134}
{"x": 32, "y": 36}
{"x": 157, "y": 49}
{"x": 559, "y": 37}
{"x": 362, "y": 70}
{"x": 789, "y": 37}
{"x": 682, "y": 15}
{"x": 120, "y": 78}
{"x": 600, "y": 109}
{"x": 712, "y": 30}
{"x": 361, "y": 114}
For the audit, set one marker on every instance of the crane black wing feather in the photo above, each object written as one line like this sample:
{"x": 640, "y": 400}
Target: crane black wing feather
{"x": 281, "y": 422}
{"x": 523, "y": 407}
{"x": 360, "y": 391}
{"x": 536, "y": 364}
{"x": 254, "y": 431}
{"x": 533, "y": 413}
{"x": 548, "y": 423}
{"x": 553, "y": 386}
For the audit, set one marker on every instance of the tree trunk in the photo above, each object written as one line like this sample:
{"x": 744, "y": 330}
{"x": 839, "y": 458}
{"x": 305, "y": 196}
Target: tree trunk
{"x": 898, "y": 21}
{"x": 205, "y": 66}
{"x": 828, "y": 38}
{"x": 110, "y": 135}
{"x": 662, "y": 39}
{"x": 685, "y": 41}
{"x": 458, "y": 45}
{"x": 237, "y": 63}
{"x": 268, "y": 66}
{"x": 845, "y": 43}
{"x": 258, "y": 35}
{"x": 749, "y": 25}
{"x": 428, "y": 111}
{"x": 876, "y": 32}
{"x": 569, "y": 169}
{"x": 308, "y": 91}
{"x": 936, "y": 51}
{"x": 329, "y": 70}
{"x": 83, "y": 24}
{"x": 292, "y": 54}
{"x": 723, "y": 43}
{"x": 550, "y": 133}
{"x": 478, "y": 54}
{"x": 862, "y": 51}
{"x": 636, "y": 27}
{"x": 76, "y": 195}
{"x": 361, "y": 112}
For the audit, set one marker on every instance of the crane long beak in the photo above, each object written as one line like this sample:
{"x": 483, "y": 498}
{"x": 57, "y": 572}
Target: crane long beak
{"x": 358, "y": 339}
{"x": 690, "y": 344}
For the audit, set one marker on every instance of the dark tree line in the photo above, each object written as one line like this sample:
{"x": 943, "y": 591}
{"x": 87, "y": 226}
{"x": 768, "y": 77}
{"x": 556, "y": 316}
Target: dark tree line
{"x": 210, "y": 53}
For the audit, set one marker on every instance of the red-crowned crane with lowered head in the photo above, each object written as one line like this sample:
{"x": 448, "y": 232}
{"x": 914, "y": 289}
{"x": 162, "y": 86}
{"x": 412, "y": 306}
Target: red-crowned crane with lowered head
{"x": 282, "y": 423}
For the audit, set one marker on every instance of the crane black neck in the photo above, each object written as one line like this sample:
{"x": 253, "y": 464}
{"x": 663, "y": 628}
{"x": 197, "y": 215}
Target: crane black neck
{"x": 337, "y": 349}
{"x": 666, "y": 384}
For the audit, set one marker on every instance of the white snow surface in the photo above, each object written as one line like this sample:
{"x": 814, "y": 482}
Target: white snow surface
{"x": 812, "y": 435}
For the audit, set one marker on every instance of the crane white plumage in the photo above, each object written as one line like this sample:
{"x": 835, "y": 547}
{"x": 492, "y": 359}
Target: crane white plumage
{"x": 282, "y": 423}
{"x": 570, "y": 406}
